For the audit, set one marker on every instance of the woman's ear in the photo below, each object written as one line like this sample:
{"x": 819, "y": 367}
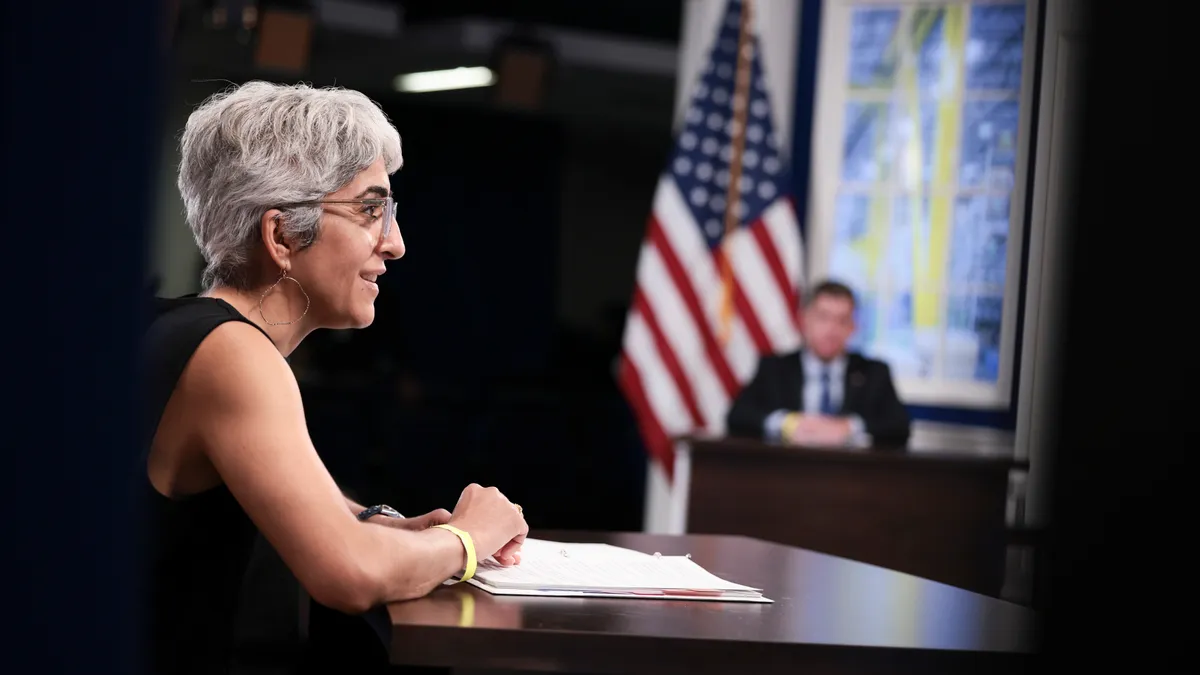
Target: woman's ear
{"x": 274, "y": 238}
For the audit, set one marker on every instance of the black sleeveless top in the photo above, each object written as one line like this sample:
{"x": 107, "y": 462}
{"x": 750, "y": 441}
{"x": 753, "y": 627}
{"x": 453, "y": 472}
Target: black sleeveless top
{"x": 198, "y": 546}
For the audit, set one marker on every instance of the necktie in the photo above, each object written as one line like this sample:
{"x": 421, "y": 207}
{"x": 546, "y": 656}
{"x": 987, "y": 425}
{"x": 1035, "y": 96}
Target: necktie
{"x": 826, "y": 401}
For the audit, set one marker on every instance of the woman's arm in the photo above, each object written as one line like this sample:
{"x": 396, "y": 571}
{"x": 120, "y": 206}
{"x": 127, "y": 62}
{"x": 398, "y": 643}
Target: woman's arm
{"x": 249, "y": 419}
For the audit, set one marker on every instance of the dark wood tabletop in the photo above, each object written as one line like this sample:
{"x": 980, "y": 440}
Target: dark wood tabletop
{"x": 829, "y": 614}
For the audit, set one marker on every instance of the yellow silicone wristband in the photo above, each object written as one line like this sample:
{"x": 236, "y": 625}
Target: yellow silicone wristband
{"x": 469, "y": 545}
{"x": 789, "y": 426}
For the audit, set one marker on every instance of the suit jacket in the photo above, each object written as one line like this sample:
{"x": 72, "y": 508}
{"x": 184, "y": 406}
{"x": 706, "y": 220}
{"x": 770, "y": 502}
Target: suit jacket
{"x": 779, "y": 385}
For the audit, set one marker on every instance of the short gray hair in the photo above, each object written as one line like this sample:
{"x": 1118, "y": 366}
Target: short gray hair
{"x": 260, "y": 145}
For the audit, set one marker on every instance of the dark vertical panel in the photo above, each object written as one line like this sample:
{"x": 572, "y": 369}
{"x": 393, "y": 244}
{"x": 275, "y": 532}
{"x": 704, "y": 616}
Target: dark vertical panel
{"x": 1123, "y": 486}
{"x": 80, "y": 128}
{"x": 807, "y": 51}
{"x": 478, "y": 205}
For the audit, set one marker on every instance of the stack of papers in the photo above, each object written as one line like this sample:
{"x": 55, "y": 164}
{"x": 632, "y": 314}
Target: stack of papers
{"x": 551, "y": 568}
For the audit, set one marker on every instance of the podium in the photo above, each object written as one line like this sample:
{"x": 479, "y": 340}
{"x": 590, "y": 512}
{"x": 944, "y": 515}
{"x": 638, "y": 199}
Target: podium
{"x": 934, "y": 509}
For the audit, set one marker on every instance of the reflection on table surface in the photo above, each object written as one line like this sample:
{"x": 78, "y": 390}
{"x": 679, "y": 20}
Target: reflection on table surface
{"x": 819, "y": 599}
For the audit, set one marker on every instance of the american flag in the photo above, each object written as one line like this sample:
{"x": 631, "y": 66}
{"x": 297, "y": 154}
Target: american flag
{"x": 719, "y": 272}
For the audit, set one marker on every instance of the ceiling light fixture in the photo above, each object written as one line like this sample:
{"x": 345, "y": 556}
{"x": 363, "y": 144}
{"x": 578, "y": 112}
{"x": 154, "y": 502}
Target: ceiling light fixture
{"x": 442, "y": 80}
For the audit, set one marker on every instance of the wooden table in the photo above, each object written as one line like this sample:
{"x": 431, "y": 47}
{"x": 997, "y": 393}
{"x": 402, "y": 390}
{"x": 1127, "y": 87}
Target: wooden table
{"x": 935, "y": 509}
{"x": 830, "y": 615}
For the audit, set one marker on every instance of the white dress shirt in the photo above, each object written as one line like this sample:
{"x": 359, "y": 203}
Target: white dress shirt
{"x": 811, "y": 395}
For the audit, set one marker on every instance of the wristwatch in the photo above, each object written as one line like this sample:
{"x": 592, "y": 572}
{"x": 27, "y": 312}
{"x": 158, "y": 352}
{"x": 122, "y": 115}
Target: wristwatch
{"x": 379, "y": 510}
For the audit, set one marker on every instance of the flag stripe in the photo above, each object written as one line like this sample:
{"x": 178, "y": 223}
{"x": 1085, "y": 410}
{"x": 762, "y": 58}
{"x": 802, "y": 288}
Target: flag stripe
{"x": 675, "y": 268}
{"x": 658, "y": 293}
{"x": 781, "y": 223}
{"x": 713, "y": 199}
{"x": 761, "y": 342}
{"x": 763, "y": 299}
{"x": 770, "y": 255}
{"x": 661, "y": 405}
{"x": 697, "y": 266}
{"x": 660, "y": 388}
{"x": 667, "y": 354}
{"x": 658, "y": 443}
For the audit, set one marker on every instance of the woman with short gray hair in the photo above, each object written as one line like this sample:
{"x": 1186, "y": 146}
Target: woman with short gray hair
{"x": 288, "y": 193}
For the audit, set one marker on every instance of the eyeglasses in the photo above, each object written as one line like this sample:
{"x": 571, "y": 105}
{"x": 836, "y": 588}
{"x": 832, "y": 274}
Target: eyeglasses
{"x": 388, "y": 204}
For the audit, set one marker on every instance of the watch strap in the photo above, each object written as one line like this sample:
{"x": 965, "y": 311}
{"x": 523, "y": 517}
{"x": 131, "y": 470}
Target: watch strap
{"x": 379, "y": 510}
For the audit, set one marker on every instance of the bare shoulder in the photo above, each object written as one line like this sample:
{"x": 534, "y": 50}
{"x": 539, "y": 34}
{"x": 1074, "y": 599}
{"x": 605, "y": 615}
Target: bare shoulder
{"x": 247, "y": 418}
{"x": 236, "y": 366}
{"x": 242, "y": 397}
{"x": 247, "y": 413}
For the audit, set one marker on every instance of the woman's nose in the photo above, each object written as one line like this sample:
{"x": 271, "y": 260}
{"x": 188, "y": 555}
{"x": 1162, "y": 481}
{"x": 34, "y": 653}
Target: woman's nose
{"x": 393, "y": 243}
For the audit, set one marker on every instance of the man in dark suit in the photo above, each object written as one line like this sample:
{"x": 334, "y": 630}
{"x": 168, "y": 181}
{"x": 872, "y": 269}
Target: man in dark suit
{"x": 822, "y": 395}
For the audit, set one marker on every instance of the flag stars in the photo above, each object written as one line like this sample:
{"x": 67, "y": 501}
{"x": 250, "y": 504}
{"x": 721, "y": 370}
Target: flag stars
{"x": 714, "y": 124}
{"x": 693, "y": 174}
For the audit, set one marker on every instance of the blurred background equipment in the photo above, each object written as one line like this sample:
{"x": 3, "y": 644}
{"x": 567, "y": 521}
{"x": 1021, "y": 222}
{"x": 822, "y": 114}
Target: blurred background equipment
{"x": 284, "y": 41}
{"x": 524, "y": 67}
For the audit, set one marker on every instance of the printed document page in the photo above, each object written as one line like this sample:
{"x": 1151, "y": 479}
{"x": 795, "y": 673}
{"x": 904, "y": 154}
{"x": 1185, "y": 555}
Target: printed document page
{"x": 602, "y": 569}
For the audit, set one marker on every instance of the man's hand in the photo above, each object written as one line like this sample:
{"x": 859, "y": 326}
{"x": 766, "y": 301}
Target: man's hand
{"x": 821, "y": 430}
{"x": 418, "y": 523}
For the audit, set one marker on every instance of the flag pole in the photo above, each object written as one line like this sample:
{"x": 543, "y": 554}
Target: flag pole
{"x": 741, "y": 98}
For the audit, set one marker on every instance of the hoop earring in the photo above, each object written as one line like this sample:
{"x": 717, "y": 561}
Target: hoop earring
{"x": 283, "y": 275}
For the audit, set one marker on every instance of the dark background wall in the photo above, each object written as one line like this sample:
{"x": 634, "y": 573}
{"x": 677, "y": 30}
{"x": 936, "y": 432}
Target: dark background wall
{"x": 490, "y": 357}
